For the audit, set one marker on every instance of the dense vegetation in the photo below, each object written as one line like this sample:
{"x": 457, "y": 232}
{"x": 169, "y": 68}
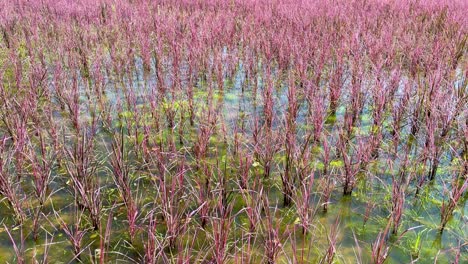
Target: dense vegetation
{"x": 233, "y": 131}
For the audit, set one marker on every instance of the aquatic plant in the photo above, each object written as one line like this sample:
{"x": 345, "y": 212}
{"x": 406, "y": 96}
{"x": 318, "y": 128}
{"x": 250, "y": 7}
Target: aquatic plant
{"x": 9, "y": 185}
{"x": 19, "y": 248}
{"x": 121, "y": 175}
{"x": 332, "y": 241}
{"x": 459, "y": 186}
{"x": 197, "y": 131}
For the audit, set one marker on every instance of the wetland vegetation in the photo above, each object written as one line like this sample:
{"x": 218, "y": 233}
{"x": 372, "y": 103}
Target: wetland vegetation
{"x": 233, "y": 131}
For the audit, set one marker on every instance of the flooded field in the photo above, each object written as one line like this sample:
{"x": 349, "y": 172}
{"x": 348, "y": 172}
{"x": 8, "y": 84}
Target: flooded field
{"x": 233, "y": 132}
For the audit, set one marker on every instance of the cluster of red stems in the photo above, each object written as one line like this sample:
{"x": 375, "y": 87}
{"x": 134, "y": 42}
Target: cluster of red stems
{"x": 122, "y": 108}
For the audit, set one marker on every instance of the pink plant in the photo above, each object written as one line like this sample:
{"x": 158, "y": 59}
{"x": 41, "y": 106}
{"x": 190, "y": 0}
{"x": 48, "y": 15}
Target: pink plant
{"x": 147, "y": 91}
{"x": 303, "y": 204}
{"x": 459, "y": 186}
{"x": 288, "y": 176}
{"x": 221, "y": 223}
{"x": 273, "y": 243}
{"x": 74, "y": 232}
{"x": 121, "y": 175}
{"x": 332, "y": 241}
{"x": 9, "y": 187}
{"x": 18, "y": 248}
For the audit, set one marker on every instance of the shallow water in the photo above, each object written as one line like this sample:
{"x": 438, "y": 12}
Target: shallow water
{"x": 238, "y": 105}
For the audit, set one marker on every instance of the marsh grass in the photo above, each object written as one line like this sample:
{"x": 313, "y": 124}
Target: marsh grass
{"x": 233, "y": 131}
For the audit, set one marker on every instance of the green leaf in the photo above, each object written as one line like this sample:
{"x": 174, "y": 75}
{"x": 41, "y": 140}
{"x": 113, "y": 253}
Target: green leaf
{"x": 337, "y": 163}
